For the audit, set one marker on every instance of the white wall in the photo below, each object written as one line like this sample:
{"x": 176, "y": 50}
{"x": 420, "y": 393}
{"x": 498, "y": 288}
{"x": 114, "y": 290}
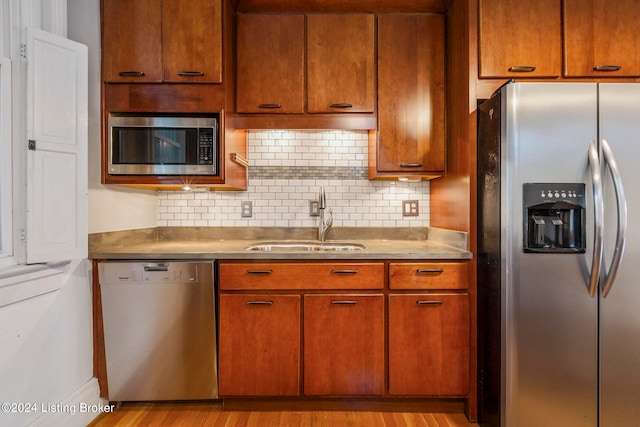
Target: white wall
{"x": 47, "y": 356}
{"x": 111, "y": 208}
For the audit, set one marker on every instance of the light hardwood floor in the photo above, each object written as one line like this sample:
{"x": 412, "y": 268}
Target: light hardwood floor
{"x": 212, "y": 414}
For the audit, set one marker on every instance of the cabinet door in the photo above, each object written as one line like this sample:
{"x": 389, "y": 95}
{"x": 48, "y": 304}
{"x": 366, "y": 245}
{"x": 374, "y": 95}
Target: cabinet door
{"x": 192, "y": 41}
{"x": 270, "y": 55}
{"x": 259, "y": 345}
{"x": 340, "y": 63}
{"x": 411, "y": 117}
{"x": 131, "y": 41}
{"x": 520, "y": 38}
{"x": 344, "y": 345}
{"x": 429, "y": 344}
{"x": 601, "y": 38}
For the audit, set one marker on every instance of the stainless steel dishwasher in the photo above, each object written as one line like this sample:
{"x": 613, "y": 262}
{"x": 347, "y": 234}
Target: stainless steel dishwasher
{"x": 159, "y": 330}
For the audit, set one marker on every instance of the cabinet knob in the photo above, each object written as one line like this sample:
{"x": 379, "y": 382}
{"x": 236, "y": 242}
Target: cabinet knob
{"x": 430, "y": 271}
{"x": 344, "y": 302}
{"x": 259, "y": 302}
{"x": 191, "y": 73}
{"x": 260, "y": 272}
{"x": 344, "y": 271}
{"x": 522, "y": 69}
{"x": 607, "y": 68}
{"x": 131, "y": 73}
{"x": 425, "y": 302}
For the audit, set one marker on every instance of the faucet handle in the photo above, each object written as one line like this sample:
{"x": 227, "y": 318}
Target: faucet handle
{"x": 329, "y": 221}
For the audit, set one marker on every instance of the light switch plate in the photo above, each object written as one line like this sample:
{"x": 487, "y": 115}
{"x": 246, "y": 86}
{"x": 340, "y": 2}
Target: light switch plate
{"x": 410, "y": 208}
{"x": 247, "y": 209}
{"x": 314, "y": 208}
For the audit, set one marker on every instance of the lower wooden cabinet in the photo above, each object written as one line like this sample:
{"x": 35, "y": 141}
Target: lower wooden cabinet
{"x": 344, "y": 345}
{"x": 429, "y": 344}
{"x": 407, "y": 334}
{"x": 259, "y": 345}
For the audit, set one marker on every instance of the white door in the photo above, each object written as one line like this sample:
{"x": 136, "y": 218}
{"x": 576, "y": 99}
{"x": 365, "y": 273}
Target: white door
{"x": 57, "y": 185}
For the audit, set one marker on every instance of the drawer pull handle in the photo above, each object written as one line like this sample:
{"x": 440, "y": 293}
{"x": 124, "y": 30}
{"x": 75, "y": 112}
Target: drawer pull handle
{"x": 269, "y": 106}
{"x": 344, "y": 271}
{"x": 191, "y": 73}
{"x": 131, "y": 73}
{"x": 607, "y": 68}
{"x": 522, "y": 69}
{"x": 430, "y": 271}
{"x": 341, "y": 105}
{"x": 259, "y": 302}
{"x": 410, "y": 165}
{"x": 260, "y": 272}
{"x": 344, "y": 302}
{"x": 424, "y": 302}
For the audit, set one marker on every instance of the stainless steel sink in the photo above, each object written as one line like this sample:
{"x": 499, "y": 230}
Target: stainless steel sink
{"x": 305, "y": 247}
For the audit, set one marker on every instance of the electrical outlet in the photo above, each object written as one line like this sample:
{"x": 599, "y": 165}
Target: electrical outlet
{"x": 314, "y": 208}
{"x": 410, "y": 208}
{"x": 247, "y": 209}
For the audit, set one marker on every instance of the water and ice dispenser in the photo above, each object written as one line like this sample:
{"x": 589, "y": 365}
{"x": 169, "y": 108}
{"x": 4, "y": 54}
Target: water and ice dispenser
{"x": 554, "y": 217}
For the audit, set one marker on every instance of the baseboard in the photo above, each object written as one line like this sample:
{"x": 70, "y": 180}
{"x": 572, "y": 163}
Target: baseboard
{"x": 77, "y": 409}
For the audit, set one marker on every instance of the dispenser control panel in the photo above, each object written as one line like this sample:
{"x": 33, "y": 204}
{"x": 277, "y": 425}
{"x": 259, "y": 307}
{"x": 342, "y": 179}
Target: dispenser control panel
{"x": 554, "y": 217}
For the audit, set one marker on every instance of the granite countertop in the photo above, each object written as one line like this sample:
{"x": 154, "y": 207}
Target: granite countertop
{"x": 231, "y": 243}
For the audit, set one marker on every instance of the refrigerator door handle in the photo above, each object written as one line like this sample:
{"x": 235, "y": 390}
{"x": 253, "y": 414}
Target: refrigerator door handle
{"x": 621, "y": 237}
{"x": 598, "y": 208}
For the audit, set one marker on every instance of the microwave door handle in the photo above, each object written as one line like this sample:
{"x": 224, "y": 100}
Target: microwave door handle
{"x": 598, "y": 208}
{"x": 621, "y": 236}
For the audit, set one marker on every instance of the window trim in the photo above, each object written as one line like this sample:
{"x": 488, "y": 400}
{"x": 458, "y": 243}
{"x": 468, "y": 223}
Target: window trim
{"x": 7, "y": 229}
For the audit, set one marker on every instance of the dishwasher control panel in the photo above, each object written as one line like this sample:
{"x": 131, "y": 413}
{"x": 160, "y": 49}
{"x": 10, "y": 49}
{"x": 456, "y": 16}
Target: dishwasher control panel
{"x": 155, "y": 272}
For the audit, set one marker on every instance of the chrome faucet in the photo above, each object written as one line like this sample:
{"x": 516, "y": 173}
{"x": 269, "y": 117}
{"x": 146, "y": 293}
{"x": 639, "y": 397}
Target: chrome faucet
{"x": 323, "y": 226}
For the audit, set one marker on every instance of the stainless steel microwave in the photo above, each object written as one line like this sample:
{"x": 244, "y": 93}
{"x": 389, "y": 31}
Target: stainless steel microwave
{"x": 163, "y": 145}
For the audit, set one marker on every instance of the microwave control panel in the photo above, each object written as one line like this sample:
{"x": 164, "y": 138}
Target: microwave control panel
{"x": 205, "y": 146}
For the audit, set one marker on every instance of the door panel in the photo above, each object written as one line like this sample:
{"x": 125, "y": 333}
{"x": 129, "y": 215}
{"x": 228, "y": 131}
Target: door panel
{"x": 551, "y": 321}
{"x": 619, "y": 314}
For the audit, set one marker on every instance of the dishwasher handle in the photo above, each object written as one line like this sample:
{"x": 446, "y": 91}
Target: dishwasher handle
{"x": 156, "y": 266}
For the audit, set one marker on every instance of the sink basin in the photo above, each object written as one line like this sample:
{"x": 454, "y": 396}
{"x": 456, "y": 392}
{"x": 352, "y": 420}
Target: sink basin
{"x": 305, "y": 247}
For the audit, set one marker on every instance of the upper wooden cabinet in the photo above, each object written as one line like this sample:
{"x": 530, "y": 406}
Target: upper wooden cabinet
{"x": 162, "y": 41}
{"x": 132, "y": 41}
{"x": 520, "y": 38}
{"x": 411, "y": 90}
{"x": 601, "y": 38}
{"x": 270, "y": 59}
{"x": 341, "y": 63}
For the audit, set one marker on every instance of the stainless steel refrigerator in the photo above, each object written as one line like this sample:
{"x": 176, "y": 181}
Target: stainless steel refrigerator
{"x": 559, "y": 255}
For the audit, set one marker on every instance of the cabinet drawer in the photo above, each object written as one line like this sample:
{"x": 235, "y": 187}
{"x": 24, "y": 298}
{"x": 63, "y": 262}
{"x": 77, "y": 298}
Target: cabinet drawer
{"x": 446, "y": 275}
{"x": 247, "y": 276}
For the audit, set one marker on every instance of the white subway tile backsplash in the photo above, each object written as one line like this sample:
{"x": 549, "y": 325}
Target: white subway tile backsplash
{"x": 286, "y": 170}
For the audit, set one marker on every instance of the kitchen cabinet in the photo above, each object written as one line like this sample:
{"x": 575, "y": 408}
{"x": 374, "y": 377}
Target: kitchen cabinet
{"x": 259, "y": 345}
{"x": 344, "y": 345}
{"x": 162, "y": 41}
{"x": 270, "y": 58}
{"x": 411, "y": 88}
{"x": 601, "y": 38}
{"x": 429, "y": 331}
{"x": 520, "y": 38}
{"x": 301, "y": 276}
{"x": 261, "y": 327}
{"x": 305, "y": 71}
{"x": 335, "y": 329}
{"x": 341, "y": 63}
